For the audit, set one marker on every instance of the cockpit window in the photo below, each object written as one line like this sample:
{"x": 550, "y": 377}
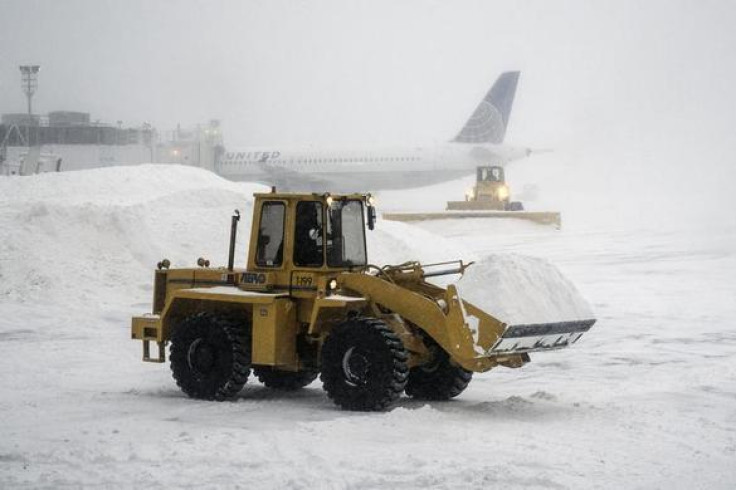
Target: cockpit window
{"x": 345, "y": 234}
{"x": 270, "y": 246}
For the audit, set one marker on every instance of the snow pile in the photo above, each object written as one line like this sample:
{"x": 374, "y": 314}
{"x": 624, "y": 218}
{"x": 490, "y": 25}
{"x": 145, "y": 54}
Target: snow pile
{"x": 519, "y": 289}
{"x": 95, "y": 236}
{"x": 393, "y": 243}
{"x": 114, "y": 185}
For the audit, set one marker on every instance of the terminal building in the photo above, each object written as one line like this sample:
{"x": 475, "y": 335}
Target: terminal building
{"x": 70, "y": 140}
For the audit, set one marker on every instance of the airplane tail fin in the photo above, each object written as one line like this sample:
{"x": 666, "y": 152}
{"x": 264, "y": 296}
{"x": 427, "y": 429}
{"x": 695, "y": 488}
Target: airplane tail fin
{"x": 488, "y": 122}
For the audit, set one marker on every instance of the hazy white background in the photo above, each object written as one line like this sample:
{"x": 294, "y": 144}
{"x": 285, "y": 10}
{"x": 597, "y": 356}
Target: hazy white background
{"x": 633, "y": 95}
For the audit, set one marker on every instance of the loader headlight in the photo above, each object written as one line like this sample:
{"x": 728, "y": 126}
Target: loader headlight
{"x": 371, "y": 201}
{"x": 503, "y": 192}
{"x": 329, "y": 200}
{"x": 332, "y": 284}
{"x": 470, "y": 194}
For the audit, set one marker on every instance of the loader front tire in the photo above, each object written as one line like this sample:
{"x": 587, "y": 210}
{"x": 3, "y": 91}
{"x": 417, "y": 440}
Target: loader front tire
{"x": 284, "y": 380}
{"x": 364, "y": 365}
{"x": 438, "y": 380}
{"x": 210, "y": 356}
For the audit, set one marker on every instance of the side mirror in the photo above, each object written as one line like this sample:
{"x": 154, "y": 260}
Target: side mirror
{"x": 371, "y": 217}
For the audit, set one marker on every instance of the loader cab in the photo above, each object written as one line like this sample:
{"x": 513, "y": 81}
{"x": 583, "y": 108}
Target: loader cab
{"x": 490, "y": 187}
{"x": 308, "y": 232}
{"x": 329, "y": 233}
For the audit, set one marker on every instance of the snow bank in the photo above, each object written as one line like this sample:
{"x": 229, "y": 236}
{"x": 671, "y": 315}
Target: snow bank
{"x": 113, "y": 185}
{"x": 519, "y": 289}
{"x": 94, "y": 236}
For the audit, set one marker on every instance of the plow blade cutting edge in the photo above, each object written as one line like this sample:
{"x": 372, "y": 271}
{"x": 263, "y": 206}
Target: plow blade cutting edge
{"x": 541, "y": 217}
{"x": 540, "y": 336}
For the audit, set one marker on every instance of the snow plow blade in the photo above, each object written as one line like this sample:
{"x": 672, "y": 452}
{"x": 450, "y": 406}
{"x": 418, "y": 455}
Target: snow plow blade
{"x": 494, "y": 337}
{"x": 541, "y": 217}
{"x": 518, "y": 339}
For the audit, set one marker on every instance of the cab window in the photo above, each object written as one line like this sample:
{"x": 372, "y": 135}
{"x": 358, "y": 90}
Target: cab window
{"x": 346, "y": 234}
{"x": 308, "y": 240}
{"x": 270, "y": 246}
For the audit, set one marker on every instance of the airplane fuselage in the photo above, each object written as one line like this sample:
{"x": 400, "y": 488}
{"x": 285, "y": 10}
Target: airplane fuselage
{"x": 352, "y": 170}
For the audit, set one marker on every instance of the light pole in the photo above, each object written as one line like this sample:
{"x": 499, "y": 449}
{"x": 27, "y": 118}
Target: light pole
{"x": 29, "y": 79}
{"x": 29, "y": 75}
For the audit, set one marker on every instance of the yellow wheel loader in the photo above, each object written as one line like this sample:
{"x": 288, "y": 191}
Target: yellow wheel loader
{"x": 309, "y": 303}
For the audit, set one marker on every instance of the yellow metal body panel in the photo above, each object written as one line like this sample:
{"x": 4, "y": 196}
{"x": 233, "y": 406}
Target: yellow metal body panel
{"x": 272, "y": 316}
{"x": 179, "y": 279}
{"x": 331, "y": 310}
{"x": 227, "y": 299}
{"x": 274, "y": 334}
{"x": 226, "y": 294}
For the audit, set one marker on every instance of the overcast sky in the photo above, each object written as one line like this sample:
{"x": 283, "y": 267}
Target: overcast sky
{"x": 319, "y": 72}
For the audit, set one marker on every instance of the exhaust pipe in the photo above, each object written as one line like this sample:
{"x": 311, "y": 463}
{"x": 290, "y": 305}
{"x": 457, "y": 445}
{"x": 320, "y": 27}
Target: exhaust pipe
{"x": 233, "y": 237}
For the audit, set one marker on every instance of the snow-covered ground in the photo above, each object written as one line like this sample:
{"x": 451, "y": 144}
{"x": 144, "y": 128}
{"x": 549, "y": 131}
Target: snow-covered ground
{"x": 646, "y": 399}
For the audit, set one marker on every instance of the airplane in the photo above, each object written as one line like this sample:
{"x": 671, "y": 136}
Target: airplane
{"x": 479, "y": 142}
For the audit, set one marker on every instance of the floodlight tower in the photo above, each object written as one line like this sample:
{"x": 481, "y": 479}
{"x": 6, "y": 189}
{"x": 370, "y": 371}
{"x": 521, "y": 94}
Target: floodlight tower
{"x": 29, "y": 75}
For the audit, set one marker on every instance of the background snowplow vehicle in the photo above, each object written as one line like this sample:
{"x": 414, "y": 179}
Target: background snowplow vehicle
{"x": 490, "y": 192}
{"x": 490, "y": 197}
{"x": 309, "y": 303}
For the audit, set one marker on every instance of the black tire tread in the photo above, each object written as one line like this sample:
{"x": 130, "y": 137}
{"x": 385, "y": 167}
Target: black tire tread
{"x": 239, "y": 340}
{"x": 284, "y": 380}
{"x": 351, "y": 333}
{"x": 446, "y": 381}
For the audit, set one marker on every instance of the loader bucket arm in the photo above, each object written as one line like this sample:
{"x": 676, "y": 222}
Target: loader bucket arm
{"x": 448, "y": 325}
{"x": 474, "y": 338}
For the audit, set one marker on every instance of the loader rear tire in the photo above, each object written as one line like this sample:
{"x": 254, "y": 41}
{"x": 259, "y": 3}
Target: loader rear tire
{"x": 210, "y": 356}
{"x": 284, "y": 380}
{"x": 439, "y": 380}
{"x": 364, "y": 365}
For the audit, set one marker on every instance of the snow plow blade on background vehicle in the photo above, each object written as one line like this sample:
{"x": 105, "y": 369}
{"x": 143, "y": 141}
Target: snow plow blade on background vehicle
{"x": 490, "y": 197}
{"x": 310, "y": 304}
{"x": 540, "y": 217}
